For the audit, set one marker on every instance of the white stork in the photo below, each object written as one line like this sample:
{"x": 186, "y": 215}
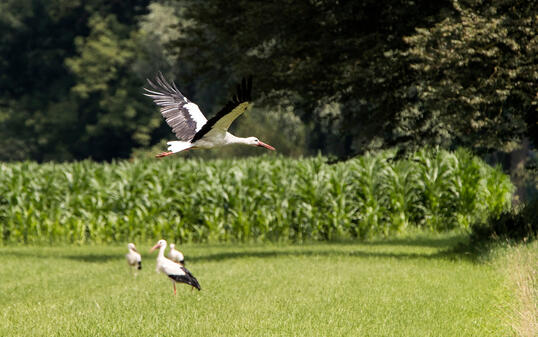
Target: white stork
{"x": 133, "y": 257}
{"x": 176, "y": 255}
{"x": 190, "y": 125}
{"x": 174, "y": 271}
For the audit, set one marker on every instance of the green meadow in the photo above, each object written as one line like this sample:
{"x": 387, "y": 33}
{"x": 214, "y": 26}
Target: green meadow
{"x": 410, "y": 286}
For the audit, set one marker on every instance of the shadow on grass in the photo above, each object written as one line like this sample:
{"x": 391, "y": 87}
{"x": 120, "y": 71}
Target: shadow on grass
{"x": 94, "y": 258}
{"x": 39, "y": 255}
{"x": 448, "y": 254}
{"x": 452, "y": 248}
{"x": 448, "y": 248}
{"x": 441, "y": 242}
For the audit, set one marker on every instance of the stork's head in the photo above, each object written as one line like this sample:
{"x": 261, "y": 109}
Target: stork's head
{"x": 172, "y": 246}
{"x": 131, "y": 246}
{"x": 160, "y": 243}
{"x": 256, "y": 142}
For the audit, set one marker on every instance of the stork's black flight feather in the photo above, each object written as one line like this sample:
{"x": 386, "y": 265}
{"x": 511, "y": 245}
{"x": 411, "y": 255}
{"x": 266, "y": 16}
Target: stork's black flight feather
{"x": 243, "y": 95}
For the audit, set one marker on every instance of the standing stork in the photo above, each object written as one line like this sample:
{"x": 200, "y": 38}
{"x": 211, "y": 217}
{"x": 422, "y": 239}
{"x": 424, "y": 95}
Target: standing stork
{"x": 133, "y": 257}
{"x": 174, "y": 271}
{"x": 176, "y": 255}
{"x": 190, "y": 125}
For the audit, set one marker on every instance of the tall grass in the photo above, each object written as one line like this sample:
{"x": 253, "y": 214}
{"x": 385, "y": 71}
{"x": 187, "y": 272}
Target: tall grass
{"x": 254, "y": 199}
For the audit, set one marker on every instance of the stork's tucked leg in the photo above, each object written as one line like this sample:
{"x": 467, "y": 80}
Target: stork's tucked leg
{"x": 163, "y": 154}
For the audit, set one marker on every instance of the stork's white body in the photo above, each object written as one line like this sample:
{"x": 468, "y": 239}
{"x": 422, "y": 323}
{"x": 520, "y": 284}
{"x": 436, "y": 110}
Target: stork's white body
{"x": 174, "y": 271}
{"x": 175, "y": 255}
{"x": 211, "y": 140}
{"x": 191, "y": 126}
{"x": 167, "y": 266}
{"x": 133, "y": 257}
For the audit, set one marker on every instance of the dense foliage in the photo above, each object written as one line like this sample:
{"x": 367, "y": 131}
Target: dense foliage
{"x": 67, "y": 90}
{"x": 475, "y": 77}
{"x": 381, "y": 73}
{"x": 337, "y": 61}
{"x": 257, "y": 199}
{"x": 343, "y": 76}
{"x": 515, "y": 225}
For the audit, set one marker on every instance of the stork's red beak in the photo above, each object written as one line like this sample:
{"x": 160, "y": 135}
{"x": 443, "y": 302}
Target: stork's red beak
{"x": 267, "y": 146}
{"x": 154, "y": 247}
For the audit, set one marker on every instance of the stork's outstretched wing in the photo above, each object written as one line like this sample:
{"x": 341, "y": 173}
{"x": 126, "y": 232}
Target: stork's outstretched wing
{"x": 233, "y": 109}
{"x": 182, "y": 115}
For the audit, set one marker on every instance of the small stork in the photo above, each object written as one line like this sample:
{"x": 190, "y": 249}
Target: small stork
{"x": 190, "y": 125}
{"x": 174, "y": 271}
{"x": 133, "y": 257}
{"x": 176, "y": 255}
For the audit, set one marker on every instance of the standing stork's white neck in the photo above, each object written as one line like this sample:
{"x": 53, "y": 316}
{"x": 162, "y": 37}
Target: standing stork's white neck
{"x": 162, "y": 248}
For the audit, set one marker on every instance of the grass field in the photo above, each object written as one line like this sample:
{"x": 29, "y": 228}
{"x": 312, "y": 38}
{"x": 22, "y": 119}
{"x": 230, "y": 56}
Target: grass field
{"x": 397, "y": 287}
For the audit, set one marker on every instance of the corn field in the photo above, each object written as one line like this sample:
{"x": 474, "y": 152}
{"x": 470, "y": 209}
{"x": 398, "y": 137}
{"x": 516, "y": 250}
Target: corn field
{"x": 254, "y": 199}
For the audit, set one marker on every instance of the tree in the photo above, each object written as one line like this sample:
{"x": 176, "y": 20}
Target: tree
{"x": 336, "y": 56}
{"x": 476, "y": 76}
{"x": 41, "y": 117}
{"x": 111, "y": 109}
{"x": 363, "y": 74}
{"x": 33, "y": 81}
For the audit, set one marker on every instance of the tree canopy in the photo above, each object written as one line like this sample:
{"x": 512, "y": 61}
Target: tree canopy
{"x": 475, "y": 77}
{"x": 67, "y": 90}
{"x": 379, "y": 74}
{"x": 342, "y": 77}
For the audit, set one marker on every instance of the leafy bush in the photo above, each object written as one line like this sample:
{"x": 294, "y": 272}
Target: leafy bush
{"x": 509, "y": 225}
{"x": 259, "y": 198}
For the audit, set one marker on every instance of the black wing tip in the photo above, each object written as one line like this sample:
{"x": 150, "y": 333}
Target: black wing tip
{"x": 244, "y": 90}
{"x": 196, "y": 285}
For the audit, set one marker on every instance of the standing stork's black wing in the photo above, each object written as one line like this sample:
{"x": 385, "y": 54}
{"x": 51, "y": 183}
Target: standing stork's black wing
{"x": 187, "y": 278}
{"x": 233, "y": 109}
{"x": 182, "y": 115}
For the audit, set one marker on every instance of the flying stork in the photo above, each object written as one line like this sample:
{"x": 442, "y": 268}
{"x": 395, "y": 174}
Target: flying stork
{"x": 176, "y": 255}
{"x": 190, "y": 125}
{"x": 174, "y": 271}
{"x": 133, "y": 257}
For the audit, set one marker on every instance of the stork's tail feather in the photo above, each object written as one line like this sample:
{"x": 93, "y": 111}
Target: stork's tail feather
{"x": 139, "y": 265}
{"x": 178, "y": 146}
{"x": 174, "y": 147}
